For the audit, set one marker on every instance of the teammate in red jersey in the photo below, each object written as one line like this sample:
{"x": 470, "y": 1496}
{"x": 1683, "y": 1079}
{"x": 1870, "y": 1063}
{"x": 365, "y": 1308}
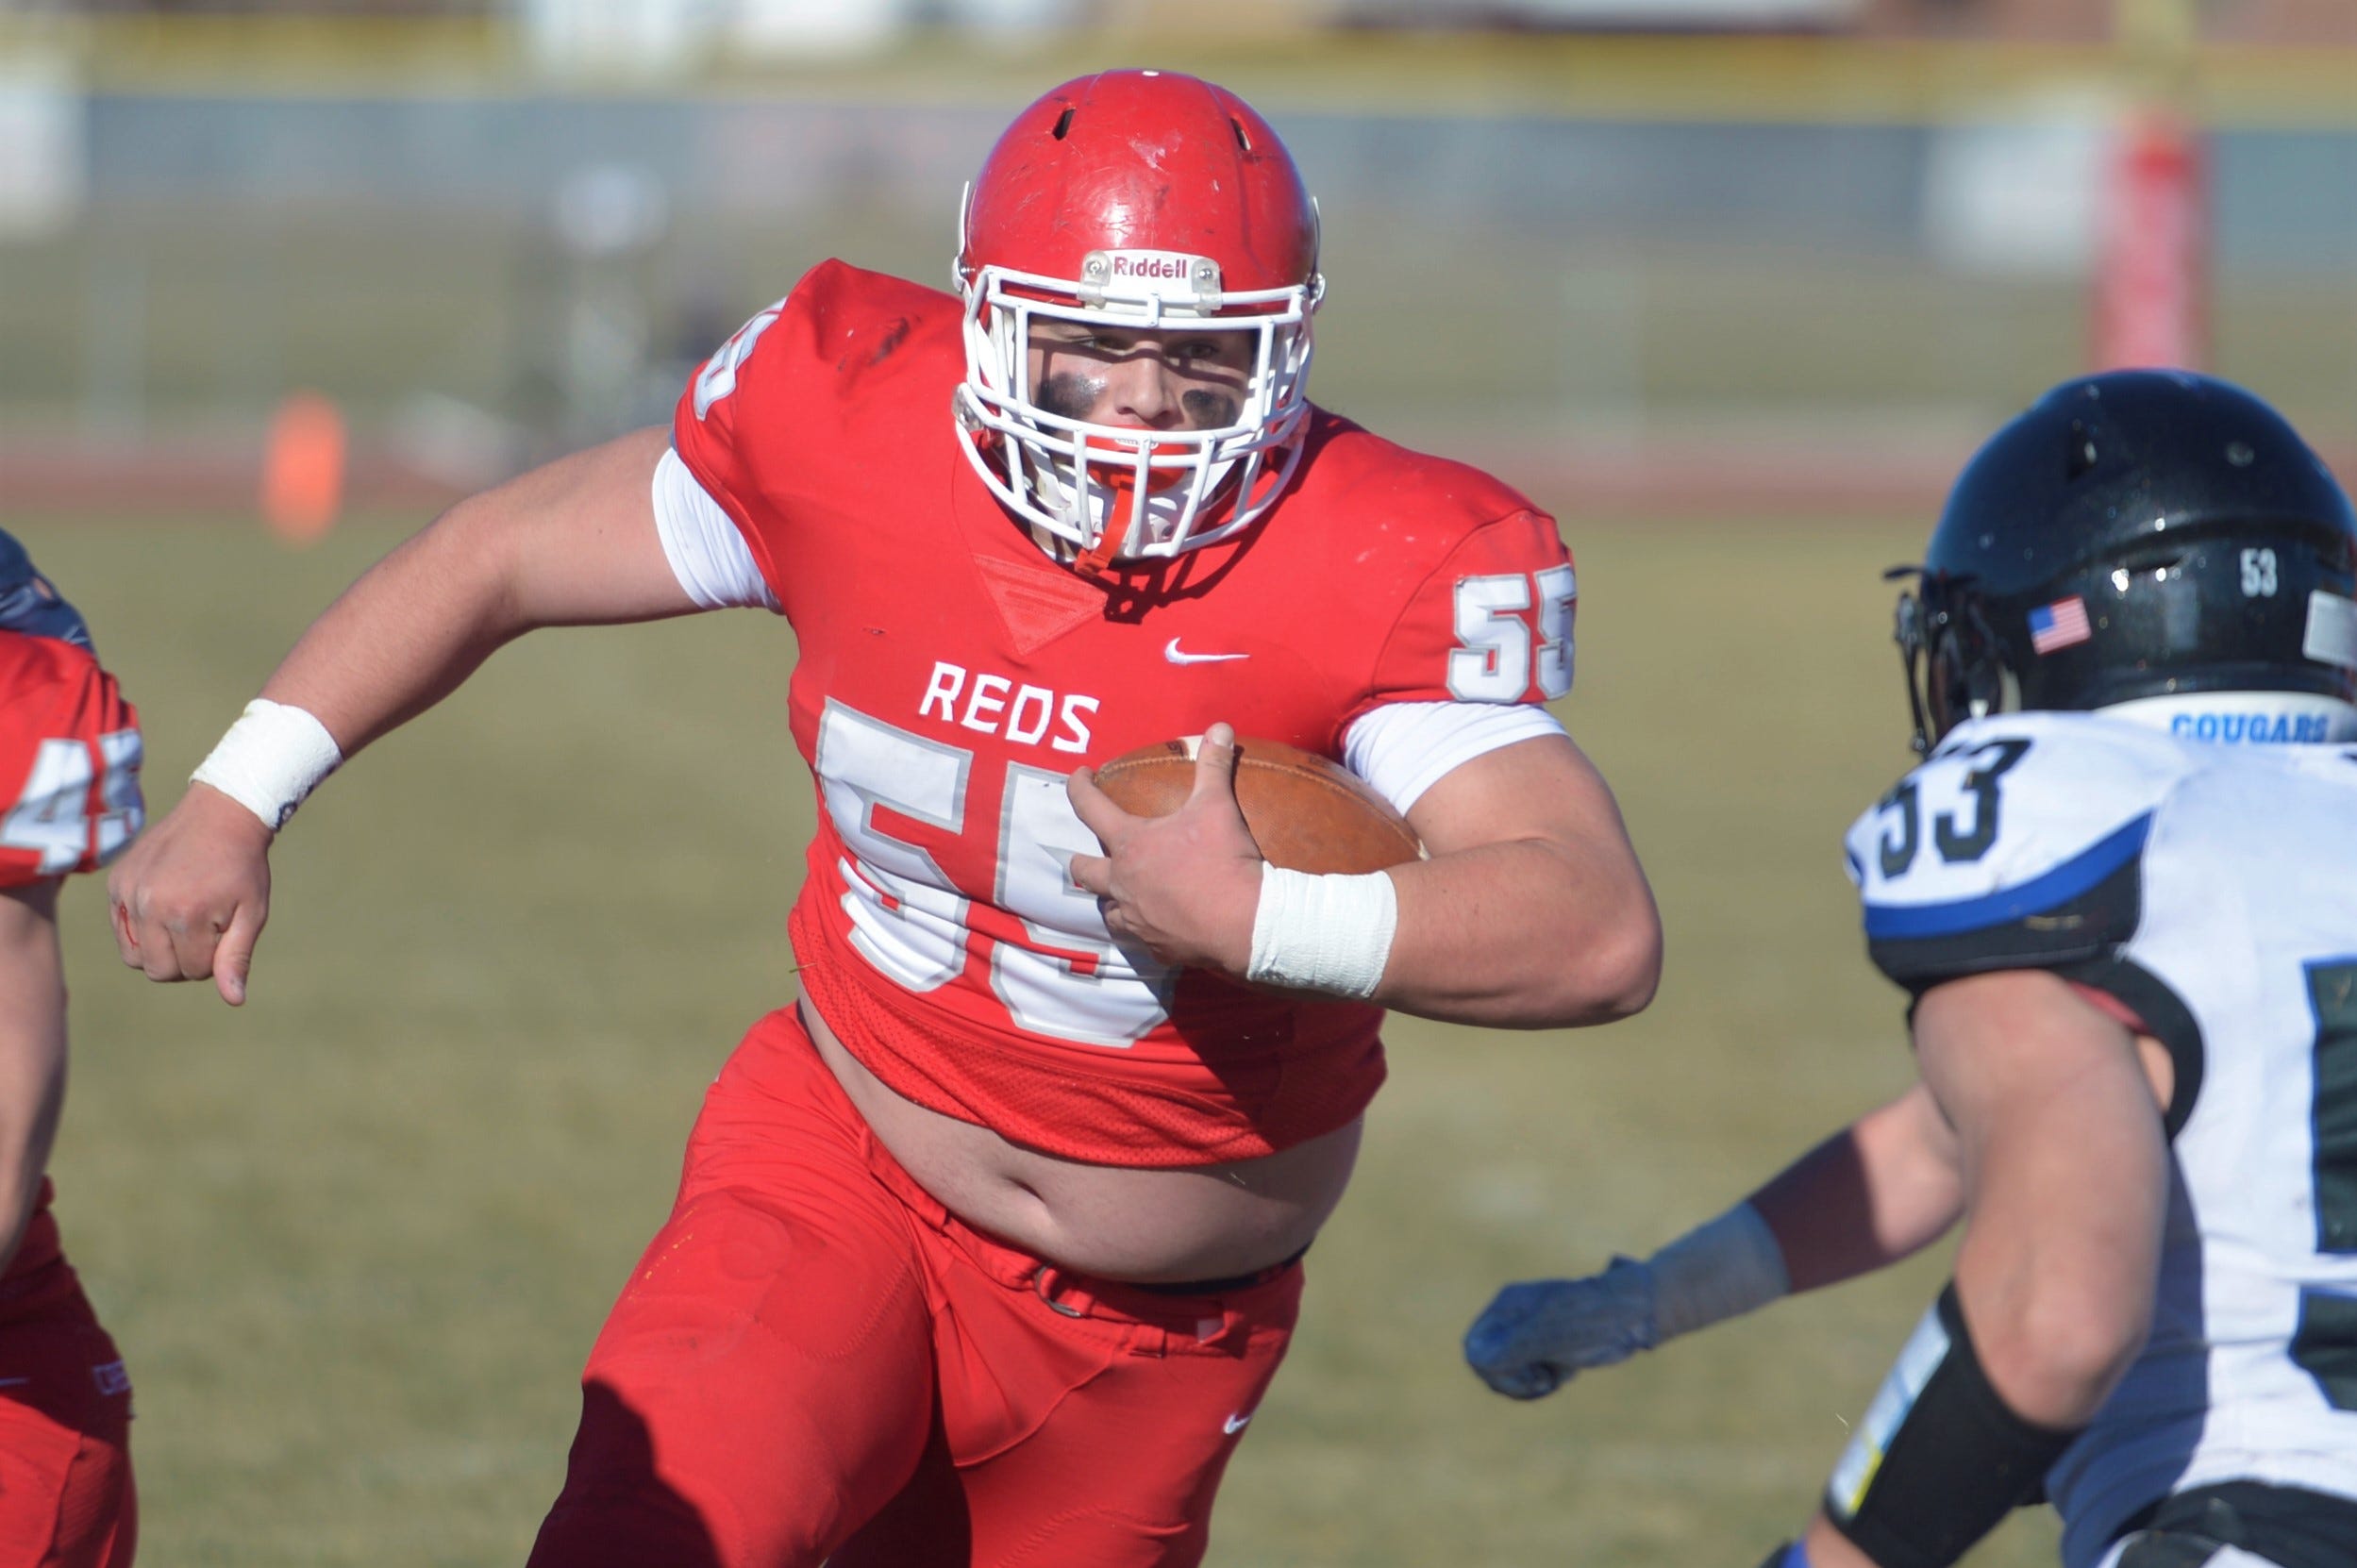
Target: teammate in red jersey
{"x": 69, "y": 802}
{"x": 987, "y": 1248}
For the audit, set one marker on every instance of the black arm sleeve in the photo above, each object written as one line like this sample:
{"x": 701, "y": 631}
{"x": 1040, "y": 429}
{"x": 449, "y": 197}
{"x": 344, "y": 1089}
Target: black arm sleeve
{"x": 1954, "y": 1462}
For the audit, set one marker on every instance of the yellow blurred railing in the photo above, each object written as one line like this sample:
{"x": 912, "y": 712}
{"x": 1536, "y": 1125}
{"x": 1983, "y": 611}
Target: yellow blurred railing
{"x": 1798, "y": 79}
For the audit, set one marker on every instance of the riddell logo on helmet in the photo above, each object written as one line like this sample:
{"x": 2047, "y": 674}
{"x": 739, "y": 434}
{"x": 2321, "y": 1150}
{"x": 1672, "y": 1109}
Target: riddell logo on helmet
{"x": 1157, "y": 265}
{"x": 1172, "y": 275}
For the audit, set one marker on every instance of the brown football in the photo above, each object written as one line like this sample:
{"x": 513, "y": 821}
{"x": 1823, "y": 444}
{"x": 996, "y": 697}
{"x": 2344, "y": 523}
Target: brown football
{"x": 1304, "y": 813}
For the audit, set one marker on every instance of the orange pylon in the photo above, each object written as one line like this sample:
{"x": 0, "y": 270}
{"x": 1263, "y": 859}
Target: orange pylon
{"x": 303, "y": 468}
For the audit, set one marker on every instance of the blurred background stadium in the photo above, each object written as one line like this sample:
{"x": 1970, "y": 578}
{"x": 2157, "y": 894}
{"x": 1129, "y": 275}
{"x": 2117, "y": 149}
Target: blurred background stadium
{"x": 1733, "y": 286}
{"x": 1807, "y": 261}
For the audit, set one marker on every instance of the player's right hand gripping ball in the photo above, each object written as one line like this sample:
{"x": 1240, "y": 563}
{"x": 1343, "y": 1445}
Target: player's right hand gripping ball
{"x": 1304, "y": 813}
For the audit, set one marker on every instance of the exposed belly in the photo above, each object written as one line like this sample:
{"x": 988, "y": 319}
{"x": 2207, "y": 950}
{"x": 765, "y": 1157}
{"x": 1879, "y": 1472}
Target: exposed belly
{"x": 1154, "y": 1225}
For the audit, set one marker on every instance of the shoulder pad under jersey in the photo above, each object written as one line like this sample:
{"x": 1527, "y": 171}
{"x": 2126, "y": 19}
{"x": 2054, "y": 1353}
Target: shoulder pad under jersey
{"x": 2017, "y": 844}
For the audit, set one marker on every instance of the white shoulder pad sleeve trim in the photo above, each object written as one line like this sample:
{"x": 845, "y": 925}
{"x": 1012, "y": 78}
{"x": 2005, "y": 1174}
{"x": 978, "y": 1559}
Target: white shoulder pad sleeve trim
{"x": 706, "y": 553}
{"x": 1404, "y": 748}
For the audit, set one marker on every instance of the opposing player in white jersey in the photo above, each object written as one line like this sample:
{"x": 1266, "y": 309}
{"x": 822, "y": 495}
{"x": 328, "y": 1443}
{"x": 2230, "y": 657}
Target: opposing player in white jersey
{"x": 2122, "y": 889}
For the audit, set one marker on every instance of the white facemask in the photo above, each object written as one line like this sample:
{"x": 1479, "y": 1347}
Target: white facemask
{"x": 1108, "y": 492}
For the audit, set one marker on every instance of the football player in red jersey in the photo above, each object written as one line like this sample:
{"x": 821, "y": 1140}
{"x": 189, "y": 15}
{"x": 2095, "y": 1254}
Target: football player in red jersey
{"x": 987, "y": 1248}
{"x": 69, "y": 802}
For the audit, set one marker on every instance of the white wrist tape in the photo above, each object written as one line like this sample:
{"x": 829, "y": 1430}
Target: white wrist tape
{"x": 1719, "y": 1270}
{"x": 273, "y": 757}
{"x": 1322, "y": 933}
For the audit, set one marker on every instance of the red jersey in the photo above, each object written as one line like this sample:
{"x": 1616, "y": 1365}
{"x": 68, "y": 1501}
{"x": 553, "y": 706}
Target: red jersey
{"x": 69, "y": 762}
{"x": 949, "y": 674}
{"x": 69, "y": 797}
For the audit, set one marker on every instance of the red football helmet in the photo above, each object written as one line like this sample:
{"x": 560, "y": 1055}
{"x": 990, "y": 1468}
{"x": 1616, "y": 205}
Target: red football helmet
{"x": 1139, "y": 200}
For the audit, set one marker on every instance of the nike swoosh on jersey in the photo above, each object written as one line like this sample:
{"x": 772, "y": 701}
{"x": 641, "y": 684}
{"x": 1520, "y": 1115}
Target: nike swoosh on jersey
{"x": 1178, "y": 656}
{"x": 1236, "y": 1423}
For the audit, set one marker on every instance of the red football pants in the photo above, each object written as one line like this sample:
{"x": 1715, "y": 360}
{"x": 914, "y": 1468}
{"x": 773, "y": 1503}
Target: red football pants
{"x": 816, "y": 1362}
{"x": 66, "y": 1499}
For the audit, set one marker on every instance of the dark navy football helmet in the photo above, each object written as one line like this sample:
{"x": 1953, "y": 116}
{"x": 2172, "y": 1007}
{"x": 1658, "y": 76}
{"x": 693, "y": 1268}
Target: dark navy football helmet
{"x": 2136, "y": 535}
{"x": 27, "y": 602}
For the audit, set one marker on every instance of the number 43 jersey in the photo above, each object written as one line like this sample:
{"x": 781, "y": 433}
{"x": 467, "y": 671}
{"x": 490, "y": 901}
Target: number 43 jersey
{"x": 69, "y": 762}
{"x": 948, "y": 678}
{"x": 2212, "y": 891}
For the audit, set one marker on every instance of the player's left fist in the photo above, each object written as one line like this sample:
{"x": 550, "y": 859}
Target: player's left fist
{"x": 190, "y": 897}
{"x": 1532, "y": 1337}
{"x": 1184, "y": 887}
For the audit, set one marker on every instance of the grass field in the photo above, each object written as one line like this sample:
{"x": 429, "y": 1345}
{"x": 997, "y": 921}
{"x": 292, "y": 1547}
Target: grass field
{"x": 355, "y": 1239}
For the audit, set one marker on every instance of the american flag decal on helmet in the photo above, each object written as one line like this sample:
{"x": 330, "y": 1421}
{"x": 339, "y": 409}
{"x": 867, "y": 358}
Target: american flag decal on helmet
{"x": 2059, "y": 624}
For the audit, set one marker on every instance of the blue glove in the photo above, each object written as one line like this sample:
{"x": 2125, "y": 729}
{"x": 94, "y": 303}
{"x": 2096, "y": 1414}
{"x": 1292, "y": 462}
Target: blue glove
{"x": 1532, "y": 1337}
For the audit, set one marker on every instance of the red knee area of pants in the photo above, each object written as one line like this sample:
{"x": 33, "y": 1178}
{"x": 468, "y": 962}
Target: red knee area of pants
{"x": 738, "y": 1406}
{"x": 815, "y": 1361}
{"x": 66, "y": 1496}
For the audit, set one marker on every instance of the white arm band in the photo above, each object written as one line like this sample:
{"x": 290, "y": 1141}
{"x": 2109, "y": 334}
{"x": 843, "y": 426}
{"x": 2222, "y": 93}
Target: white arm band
{"x": 1322, "y": 933}
{"x": 273, "y": 757}
{"x": 1719, "y": 1270}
